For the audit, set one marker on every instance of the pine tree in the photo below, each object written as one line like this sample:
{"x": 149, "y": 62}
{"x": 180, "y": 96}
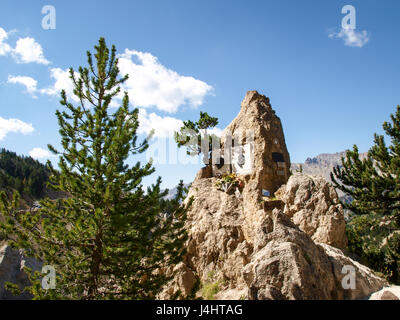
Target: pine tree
{"x": 194, "y": 136}
{"x": 110, "y": 238}
{"x": 374, "y": 185}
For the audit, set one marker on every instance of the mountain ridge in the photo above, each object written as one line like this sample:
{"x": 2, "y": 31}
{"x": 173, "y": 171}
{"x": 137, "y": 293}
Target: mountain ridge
{"x": 322, "y": 165}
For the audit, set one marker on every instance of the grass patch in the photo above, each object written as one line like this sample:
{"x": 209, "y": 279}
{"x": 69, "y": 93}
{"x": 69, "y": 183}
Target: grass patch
{"x": 210, "y": 289}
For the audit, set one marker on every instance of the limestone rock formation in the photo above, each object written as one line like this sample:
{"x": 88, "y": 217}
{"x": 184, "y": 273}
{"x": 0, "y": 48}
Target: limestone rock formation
{"x": 313, "y": 205}
{"x": 292, "y": 266}
{"x": 12, "y": 263}
{"x": 184, "y": 280}
{"x": 387, "y": 293}
{"x": 244, "y": 248}
{"x": 271, "y": 160}
{"x": 268, "y": 156}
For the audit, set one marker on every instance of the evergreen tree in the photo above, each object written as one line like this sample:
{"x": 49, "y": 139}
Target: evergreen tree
{"x": 110, "y": 238}
{"x": 194, "y": 136}
{"x": 374, "y": 185}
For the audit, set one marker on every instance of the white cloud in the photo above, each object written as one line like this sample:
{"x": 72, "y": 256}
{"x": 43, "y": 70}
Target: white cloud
{"x": 150, "y": 85}
{"x": 29, "y": 83}
{"x": 62, "y": 81}
{"x": 153, "y": 85}
{"x": 14, "y": 125}
{"x": 351, "y": 37}
{"x": 216, "y": 131}
{"x": 27, "y": 50}
{"x": 4, "y": 47}
{"x": 163, "y": 126}
{"x": 39, "y": 153}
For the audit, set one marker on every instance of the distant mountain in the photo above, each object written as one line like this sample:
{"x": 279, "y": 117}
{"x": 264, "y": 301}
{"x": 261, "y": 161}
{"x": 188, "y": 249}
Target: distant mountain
{"x": 322, "y": 165}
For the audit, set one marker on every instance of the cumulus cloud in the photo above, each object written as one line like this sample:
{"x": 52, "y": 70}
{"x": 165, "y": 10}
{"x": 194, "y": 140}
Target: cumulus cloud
{"x": 216, "y": 131}
{"x": 14, "y": 125}
{"x": 39, "y": 153}
{"x": 153, "y": 85}
{"x": 163, "y": 126}
{"x": 27, "y": 50}
{"x": 62, "y": 81}
{"x": 4, "y": 47}
{"x": 351, "y": 37}
{"x": 150, "y": 84}
{"x": 29, "y": 83}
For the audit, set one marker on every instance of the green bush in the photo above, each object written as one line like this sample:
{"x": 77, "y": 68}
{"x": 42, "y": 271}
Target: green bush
{"x": 375, "y": 242}
{"x": 210, "y": 289}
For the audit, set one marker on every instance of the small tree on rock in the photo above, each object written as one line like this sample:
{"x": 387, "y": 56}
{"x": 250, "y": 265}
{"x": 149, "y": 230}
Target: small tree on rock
{"x": 194, "y": 136}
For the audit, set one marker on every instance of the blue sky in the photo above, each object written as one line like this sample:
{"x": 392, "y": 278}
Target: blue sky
{"x": 204, "y": 55}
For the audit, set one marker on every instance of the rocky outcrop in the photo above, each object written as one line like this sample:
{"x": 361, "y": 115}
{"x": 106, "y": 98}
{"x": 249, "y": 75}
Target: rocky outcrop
{"x": 292, "y": 266}
{"x": 244, "y": 248}
{"x": 184, "y": 281}
{"x": 12, "y": 263}
{"x": 269, "y": 157}
{"x": 280, "y": 262}
{"x": 216, "y": 234}
{"x": 366, "y": 282}
{"x": 387, "y": 293}
{"x": 289, "y": 266}
{"x": 313, "y": 205}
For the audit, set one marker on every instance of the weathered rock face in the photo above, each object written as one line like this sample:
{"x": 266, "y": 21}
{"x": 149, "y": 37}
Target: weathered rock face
{"x": 247, "y": 249}
{"x": 388, "y": 293}
{"x": 270, "y": 160}
{"x": 366, "y": 282}
{"x": 313, "y": 205}
{"x": 184, "y": 280}
{"x": 280, "y": 262}
{"x": 216, "y": 237}
{"x": 12, "y": 263}
{"x": 292, "y": 266}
